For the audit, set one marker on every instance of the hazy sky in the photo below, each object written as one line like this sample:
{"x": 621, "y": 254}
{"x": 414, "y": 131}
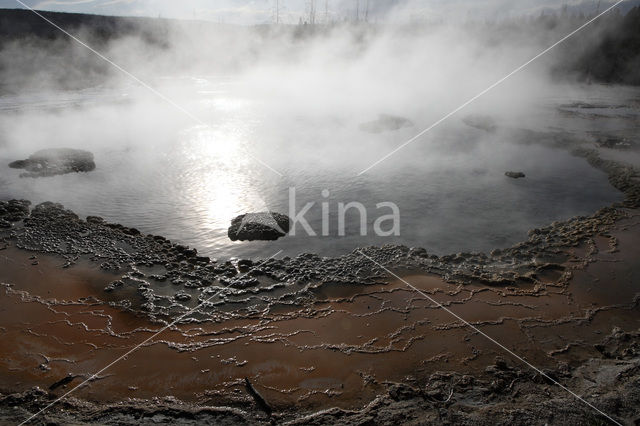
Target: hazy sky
{"x": 263, "y": 11}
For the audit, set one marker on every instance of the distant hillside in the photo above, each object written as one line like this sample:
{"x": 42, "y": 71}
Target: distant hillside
{"x": 35, "y": 54}
{"x": 21, "y": 24}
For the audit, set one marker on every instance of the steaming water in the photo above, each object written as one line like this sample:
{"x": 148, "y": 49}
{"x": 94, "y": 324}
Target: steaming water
{"x": 162, "y": 173}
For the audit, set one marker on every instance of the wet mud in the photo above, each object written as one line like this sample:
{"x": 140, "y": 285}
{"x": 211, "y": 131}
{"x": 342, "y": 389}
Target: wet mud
{"x": 322, "y": 340}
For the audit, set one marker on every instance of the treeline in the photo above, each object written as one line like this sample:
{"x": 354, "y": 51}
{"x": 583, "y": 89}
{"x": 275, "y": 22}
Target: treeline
{"x": 609, "y": 54}
{"x": 33, "y": 53}
{"x": 605, "y": 51}
{"x": 20, "y": 24}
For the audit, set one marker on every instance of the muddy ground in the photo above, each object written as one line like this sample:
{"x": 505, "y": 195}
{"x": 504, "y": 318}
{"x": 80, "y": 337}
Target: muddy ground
{"x": 323, "y": 340}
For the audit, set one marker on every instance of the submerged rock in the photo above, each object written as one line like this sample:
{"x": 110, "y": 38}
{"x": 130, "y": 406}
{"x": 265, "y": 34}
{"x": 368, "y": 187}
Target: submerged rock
{"x": 58, "y": 161}
{"x": 515, "y": 175}
{"x": 385, "y": 123}
{"x": 264, "y": 226}
{"x": 482, "y": 122}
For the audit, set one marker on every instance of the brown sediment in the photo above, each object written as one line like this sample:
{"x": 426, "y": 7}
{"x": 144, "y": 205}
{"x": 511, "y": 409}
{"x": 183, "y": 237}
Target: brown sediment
{"x": 297, "y": 355}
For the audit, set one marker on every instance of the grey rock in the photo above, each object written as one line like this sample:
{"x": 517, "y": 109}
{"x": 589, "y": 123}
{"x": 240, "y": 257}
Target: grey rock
{"x": 264, "y": 226}
{"x": 385, "y": 123}
{"x": 482, "y": 122}
{"x": 515, "y": 175}
{"x": 613, "y": 142}
{"x": 51, "y": 162}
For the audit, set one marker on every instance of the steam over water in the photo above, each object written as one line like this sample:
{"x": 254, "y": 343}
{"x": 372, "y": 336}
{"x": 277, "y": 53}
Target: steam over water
{"x": 163, "y": 173}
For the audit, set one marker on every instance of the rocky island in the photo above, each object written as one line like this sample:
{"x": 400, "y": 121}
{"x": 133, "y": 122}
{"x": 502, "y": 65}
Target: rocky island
{"x": 265, "y": 226}
{"x": 57, "y": 161}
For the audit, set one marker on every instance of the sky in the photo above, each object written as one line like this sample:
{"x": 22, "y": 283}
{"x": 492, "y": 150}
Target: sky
{"x": 250, "y": 12}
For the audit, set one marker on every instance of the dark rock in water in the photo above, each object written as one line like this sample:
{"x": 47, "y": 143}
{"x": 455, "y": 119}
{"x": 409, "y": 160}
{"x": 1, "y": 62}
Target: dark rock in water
{"x": 62, "y": 382}
{"x": 265, "y": 226}
{"x": 260, "y": 401}
{"x": 515, "y": 175}
{"x": 385, "y": 123}
{"x": 19, "y": 164}
{"x": 482, "y": 122}
{"x": 51, "y": 162}
{"x": 614, "y": 143}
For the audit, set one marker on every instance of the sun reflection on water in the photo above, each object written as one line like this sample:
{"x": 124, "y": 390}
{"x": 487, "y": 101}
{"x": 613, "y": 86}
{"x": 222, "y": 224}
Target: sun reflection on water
{"x": 220, "y": 186}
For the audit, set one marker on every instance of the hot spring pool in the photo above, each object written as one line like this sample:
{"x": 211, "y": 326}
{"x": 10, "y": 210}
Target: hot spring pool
{"x": 163, "y": 174}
